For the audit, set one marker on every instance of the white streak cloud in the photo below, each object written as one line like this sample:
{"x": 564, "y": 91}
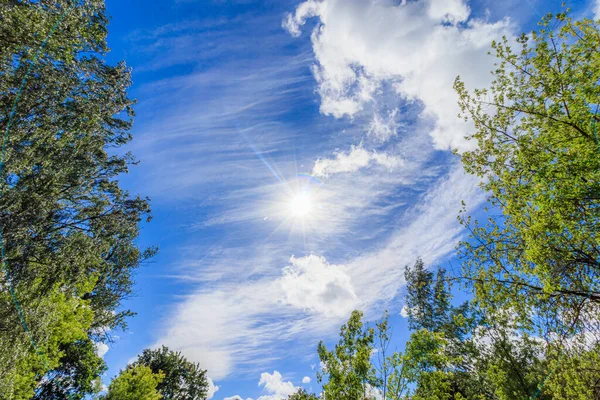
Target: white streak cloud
{"x": 354, "y": 160}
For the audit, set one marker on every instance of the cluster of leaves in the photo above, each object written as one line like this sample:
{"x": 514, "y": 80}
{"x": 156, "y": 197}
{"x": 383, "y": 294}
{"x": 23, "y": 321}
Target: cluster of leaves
{"x": 68, "y": 227}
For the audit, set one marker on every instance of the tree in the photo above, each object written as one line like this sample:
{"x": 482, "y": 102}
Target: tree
{"x": 347, "y": 372}
{"x": 135, "y": 383}
{"x": 182, "y": 379}
{"x": 77, "y": 374}
{"x": 62, "y": 317}
{"x": 66, "y": 222}
{"x": 302, "y": 394}
{"x": 539, "y": 159}
{"x": 538, "y": 255}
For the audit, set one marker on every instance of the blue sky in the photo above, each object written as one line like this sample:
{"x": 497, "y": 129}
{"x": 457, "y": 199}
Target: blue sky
{"x": 297, "y": 155}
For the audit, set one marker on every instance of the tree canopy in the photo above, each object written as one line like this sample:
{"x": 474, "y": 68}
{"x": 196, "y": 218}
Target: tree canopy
{"x": 135, "y": 383}
{"x": 68, "y": 227}
{"x": 182, "y": 379}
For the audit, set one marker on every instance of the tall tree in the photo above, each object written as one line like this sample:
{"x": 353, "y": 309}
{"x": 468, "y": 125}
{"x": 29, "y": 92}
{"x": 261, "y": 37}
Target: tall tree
{"x": 539, "y": 158}
{"x": 347, "y": 372}
{"x": 69, "y": 229}
{"x": 538, "y": 155}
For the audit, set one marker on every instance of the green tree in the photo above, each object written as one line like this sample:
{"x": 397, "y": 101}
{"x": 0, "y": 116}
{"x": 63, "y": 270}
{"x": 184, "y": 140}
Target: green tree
{"x": 69, "y": 229}
{"x": 537, "y": 257}
{"x": 539, "y": 158}
{"x": 347, "y": 372}
{"x": 135, "y": 383}
{"x": 302, "y": 394}
{"x": 183, "y": 380}
{"x": 77, "y": 374}
{"x": 60, "y": 316}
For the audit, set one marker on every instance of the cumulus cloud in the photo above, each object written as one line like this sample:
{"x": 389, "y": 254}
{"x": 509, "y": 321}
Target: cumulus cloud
{"x": 101, "y": 349}
{"x": 275, "y": 387}
{"x": 212, "y": 388}
{"x": 354, "y": 160}
{"x": 419, "y": 46}
{"x": 404, "y": 311}
{"x": 596, "y": 9}
{"x": 311, "y": 283}
{"x": 306, "y": 379}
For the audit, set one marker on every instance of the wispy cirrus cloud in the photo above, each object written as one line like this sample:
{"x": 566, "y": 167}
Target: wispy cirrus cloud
{"x": 232, "y": 142}
{"x": 229, "y": 324}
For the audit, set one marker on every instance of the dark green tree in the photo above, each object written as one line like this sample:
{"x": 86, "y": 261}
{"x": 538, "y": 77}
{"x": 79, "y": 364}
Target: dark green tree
{"x": 183, "y": 380}
{"x": 77, "y": 374}
{"x": 69, "y": 229}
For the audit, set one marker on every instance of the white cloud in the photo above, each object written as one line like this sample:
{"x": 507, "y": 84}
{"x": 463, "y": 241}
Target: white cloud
{"x": 354, "y": 160}
{"x": 429, "y": 230}
{"x": 596, "y": 9}
{"x": 419, "y": 46}
{"x": 451, "y": 11}
{"x": 101, "y": 349}
{"x": 212, "y": 388}
{"x": 228, "y": 324}
{"x": 404, "y": 311}
{"x": 383, "y": 128}
{"x": 311, "y": 283}
{"x": 275, "y": 387}
{"x": 293, "y": 22}
{"x": 306, "y": 379}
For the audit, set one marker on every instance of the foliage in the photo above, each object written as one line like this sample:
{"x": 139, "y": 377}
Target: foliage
{"x": 135, "y": 383}
{"x": 347, "y": 372}
{"x": 538, "y": 154}
{"x": 539, "y": 157}
{"x": 59, "y": 317}
{"x": 182, "y": 379}
{"x": 302, "y": 394}
{"x": 77, "y": 374}
{"x": 69, "y": 230}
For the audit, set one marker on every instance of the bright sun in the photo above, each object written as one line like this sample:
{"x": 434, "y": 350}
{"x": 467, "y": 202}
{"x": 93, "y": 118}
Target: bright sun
{"x": 300, "y": 205}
